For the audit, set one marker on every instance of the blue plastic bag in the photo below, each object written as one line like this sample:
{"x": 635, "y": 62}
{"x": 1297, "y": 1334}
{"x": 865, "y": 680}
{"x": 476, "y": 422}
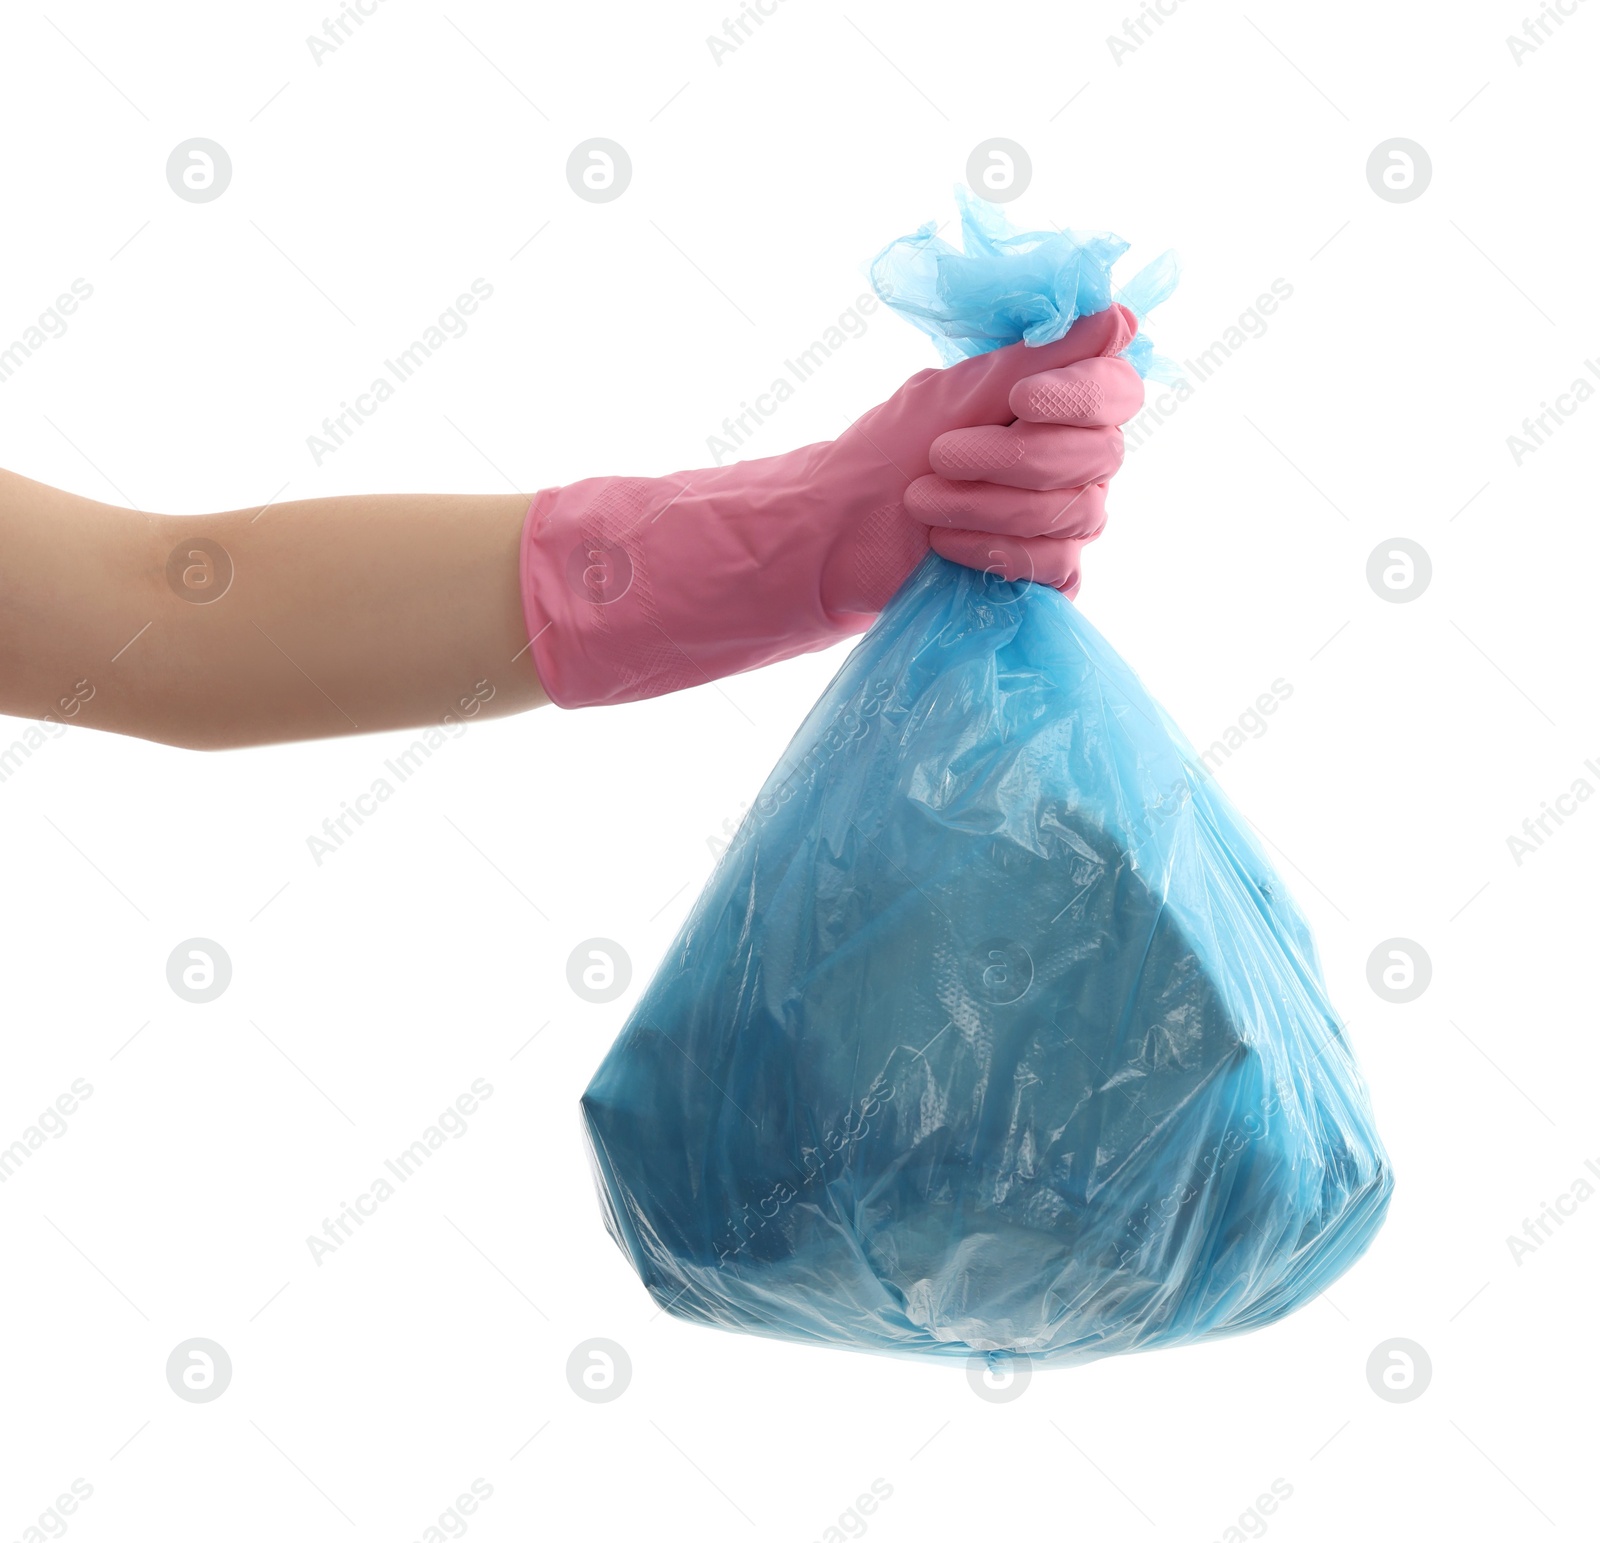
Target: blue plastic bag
{"x": 993, "y": 1030}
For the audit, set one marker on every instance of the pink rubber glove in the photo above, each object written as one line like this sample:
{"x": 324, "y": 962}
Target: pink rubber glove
{"x": 633, "y": 587}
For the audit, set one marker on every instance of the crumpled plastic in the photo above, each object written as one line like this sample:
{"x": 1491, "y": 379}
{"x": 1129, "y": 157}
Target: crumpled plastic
{"x": 993, "y": 1031}
{"x": 1003, "y": 286}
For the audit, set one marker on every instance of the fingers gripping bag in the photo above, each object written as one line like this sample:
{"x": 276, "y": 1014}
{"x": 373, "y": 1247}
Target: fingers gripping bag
{"x": 993, "y": 1031}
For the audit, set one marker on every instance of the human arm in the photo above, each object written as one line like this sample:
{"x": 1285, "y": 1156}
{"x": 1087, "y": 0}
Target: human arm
{"x": 360, "y": 614}
{"x": 339, "y": 615}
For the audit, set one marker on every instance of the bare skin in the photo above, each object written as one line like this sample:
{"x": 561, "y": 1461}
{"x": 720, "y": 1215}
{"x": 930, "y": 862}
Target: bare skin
{"x": 324, "y": 617}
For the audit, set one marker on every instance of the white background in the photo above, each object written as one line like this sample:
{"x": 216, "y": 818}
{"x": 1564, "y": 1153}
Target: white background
{"x": 368, "y": 992}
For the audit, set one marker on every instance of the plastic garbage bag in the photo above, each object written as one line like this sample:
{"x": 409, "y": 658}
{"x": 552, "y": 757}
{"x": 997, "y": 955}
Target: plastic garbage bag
{"x": 993, "y": 1030}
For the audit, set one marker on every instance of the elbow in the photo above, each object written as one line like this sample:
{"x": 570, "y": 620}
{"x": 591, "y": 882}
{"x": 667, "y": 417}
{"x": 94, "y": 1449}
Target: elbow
{"x": 198, "y": 738}
{"x": 208, "y": 733}
{"x": 179, "y": 723}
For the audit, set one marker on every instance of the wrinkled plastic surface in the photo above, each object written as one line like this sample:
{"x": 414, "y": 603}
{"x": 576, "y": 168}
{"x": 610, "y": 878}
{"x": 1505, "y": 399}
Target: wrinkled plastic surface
{"x": 993, "y": 1030}
{"x": 1006, "y": 285}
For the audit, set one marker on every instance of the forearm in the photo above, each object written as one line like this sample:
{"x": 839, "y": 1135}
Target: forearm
{"x": 299, "y": 621}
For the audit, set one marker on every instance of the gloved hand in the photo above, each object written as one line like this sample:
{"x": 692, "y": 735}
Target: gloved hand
{"x": 633, "y": 587}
